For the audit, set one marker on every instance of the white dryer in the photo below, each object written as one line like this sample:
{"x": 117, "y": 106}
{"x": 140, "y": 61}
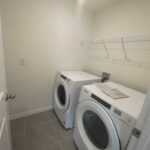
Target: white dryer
{"x": 103, "y": 123}
{"x": 66, "y": 94}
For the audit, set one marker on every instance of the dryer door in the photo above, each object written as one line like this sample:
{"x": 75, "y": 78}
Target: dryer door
{"x": 96, "y": 127}
{"x": 61, "y": 95}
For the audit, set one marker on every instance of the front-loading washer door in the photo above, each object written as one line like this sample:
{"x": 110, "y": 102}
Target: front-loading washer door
{"x": 61, "y": 95}
{"x": 95, "y": 127}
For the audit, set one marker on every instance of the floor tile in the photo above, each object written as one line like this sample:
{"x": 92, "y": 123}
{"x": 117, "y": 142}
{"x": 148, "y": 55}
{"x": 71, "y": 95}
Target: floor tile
{"x": 41, "y": 131}
{"x": 67, "y": 144}
{"x": 17, "y": 125}
{"x": 18, "y": 141}
{"x": 60, "y": 131}
{"x": 55, "y": 146}
{"x": 37, "y": 120}
{"x": 52, "y": 116}
{"x": 40, "y": 137}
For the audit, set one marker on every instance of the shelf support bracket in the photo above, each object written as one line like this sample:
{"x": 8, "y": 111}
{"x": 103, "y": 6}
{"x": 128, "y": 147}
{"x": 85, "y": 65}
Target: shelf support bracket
{"x": 124, "y": 50}
{"x": 106, "y": 49}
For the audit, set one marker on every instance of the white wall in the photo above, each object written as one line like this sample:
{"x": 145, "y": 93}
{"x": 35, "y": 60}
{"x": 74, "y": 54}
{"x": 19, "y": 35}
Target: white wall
{"x": 41, "y": 37}
{"x": 123, "y": 18}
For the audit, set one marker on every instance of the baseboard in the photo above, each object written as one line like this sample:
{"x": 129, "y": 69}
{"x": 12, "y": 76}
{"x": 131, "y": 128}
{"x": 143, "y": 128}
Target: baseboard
{"x": 30, "y": 112}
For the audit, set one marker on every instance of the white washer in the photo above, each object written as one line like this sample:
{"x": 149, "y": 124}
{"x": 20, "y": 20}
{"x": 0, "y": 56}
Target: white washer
{"x": 103, "y": 123}
{"x": 66, "y": 94}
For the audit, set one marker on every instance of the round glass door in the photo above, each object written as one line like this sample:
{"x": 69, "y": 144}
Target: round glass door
{"x": 61, "y": 94}
{"x": 95, "y": 129}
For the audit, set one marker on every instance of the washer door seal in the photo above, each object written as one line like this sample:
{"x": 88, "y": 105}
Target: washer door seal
{"x": 61, "y": 95}
{"x": 96, "y": 127}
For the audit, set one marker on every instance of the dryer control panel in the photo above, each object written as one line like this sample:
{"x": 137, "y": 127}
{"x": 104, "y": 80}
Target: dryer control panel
{"x": 124, "y": 124}
{"x": 122, "y": 117}
{"x": 116, "y": 114}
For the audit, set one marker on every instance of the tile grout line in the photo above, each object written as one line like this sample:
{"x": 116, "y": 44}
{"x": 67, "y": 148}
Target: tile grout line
{"x": 58, "y": 140}
{"x": 25, "y": 133}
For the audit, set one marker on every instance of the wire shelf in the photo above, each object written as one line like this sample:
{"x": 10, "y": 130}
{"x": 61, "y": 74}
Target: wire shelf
{"x": 130, "y": 47}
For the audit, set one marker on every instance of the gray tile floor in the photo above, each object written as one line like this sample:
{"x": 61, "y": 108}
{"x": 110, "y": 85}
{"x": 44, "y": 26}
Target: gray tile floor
{"x": 40, "y": 132}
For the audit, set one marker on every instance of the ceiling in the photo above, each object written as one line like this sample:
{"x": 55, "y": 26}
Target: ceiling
{"x": 96, "y": 5}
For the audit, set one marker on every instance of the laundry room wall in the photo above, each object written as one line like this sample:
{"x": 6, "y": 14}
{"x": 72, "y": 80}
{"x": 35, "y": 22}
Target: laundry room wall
{"x": 122, "y": 19}
{"x": 41, "y": 37}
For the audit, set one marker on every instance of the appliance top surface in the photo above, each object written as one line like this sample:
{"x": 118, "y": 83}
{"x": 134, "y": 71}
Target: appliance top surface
{"x": 131, "y": 105}
{"x": 79, "y": 76}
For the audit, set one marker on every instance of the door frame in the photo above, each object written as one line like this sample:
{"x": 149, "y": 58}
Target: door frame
{"x": 4, "y": 114}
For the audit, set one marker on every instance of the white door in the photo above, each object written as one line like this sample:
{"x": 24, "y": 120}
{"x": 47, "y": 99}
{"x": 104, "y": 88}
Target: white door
{"x": 143, "y": 125}
{"x": 5, "y": 140}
